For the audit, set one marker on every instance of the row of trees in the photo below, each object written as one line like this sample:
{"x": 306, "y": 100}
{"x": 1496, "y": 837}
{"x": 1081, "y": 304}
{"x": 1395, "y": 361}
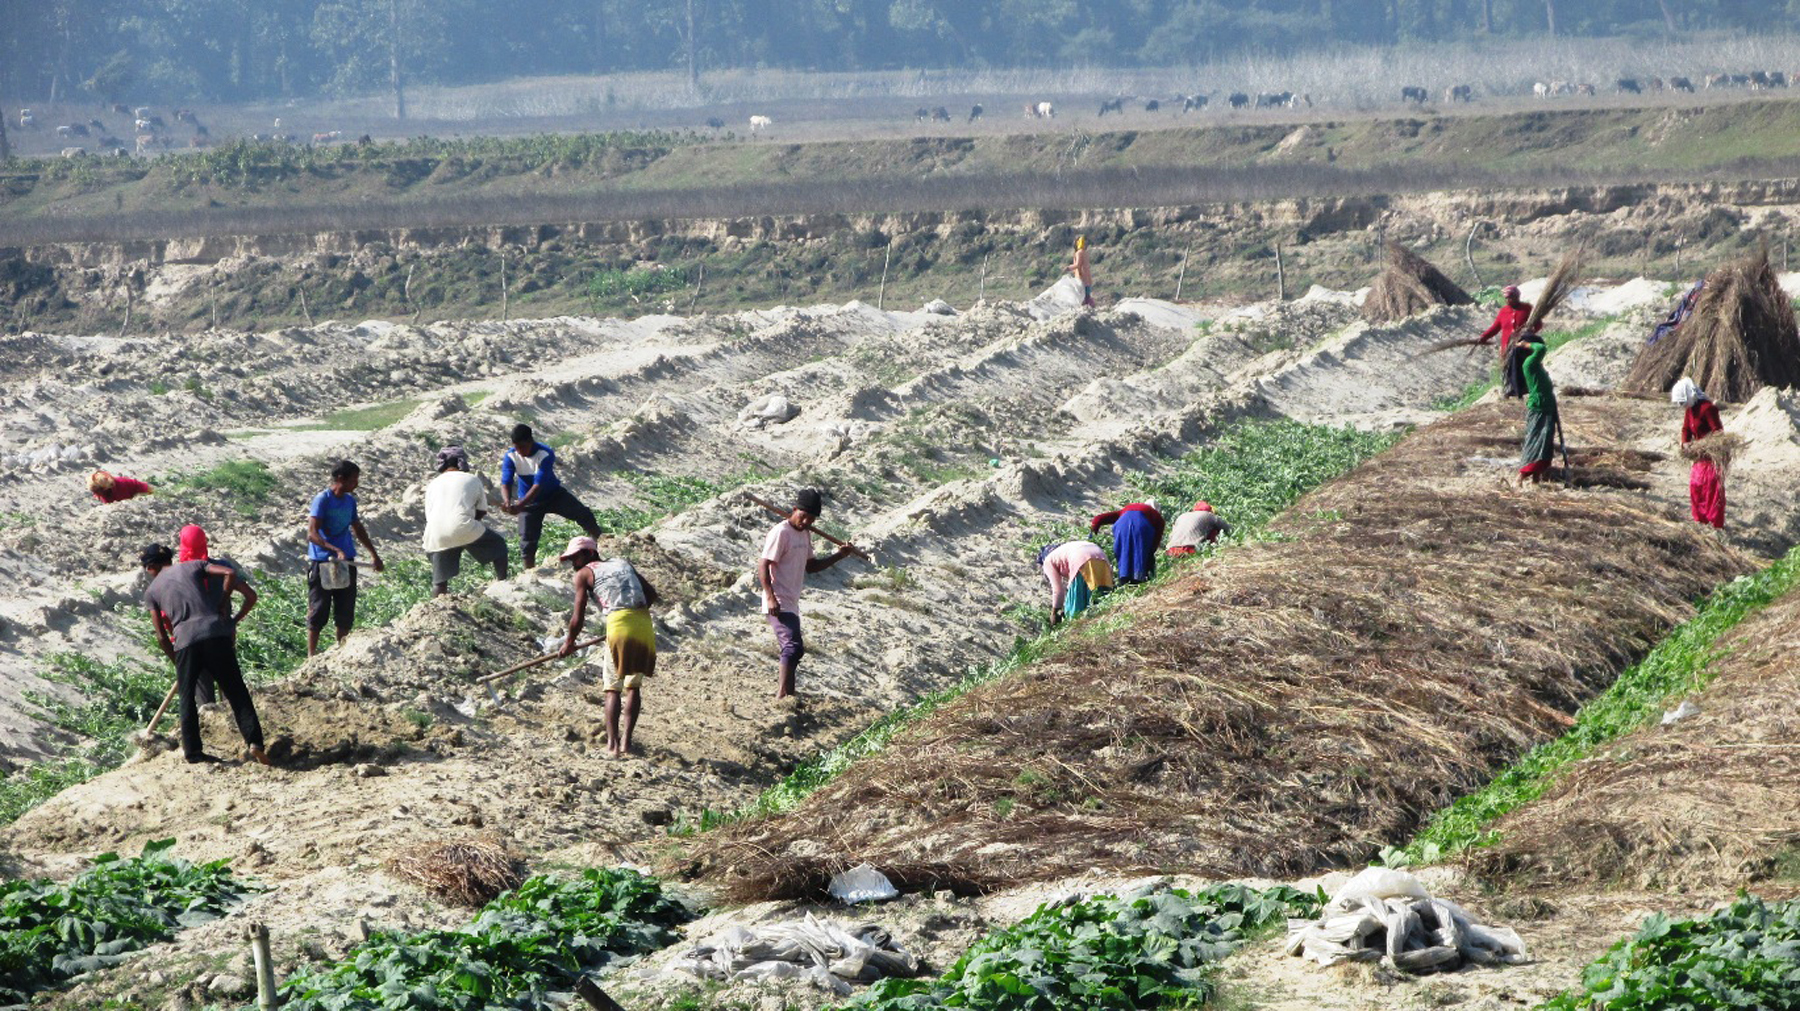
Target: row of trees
{"x": 234, "y": 50}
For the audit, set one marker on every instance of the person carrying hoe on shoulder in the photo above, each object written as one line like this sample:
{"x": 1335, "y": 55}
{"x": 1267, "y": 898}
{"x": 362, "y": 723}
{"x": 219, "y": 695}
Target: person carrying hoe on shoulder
{"x": 528, "y": 474}
{"x": 787, "y": 559}
{"x": 625, "y": 599}
{"x": 190, "y": 608}
{"x": 333, "y": 527}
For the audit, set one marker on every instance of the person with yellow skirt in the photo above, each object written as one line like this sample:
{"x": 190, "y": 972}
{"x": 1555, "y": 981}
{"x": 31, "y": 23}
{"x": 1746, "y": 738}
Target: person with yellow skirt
{"x": 624, "y": 599}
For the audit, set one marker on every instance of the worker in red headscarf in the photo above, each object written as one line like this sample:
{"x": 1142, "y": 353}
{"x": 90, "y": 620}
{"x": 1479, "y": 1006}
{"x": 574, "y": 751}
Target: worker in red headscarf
{"x": 1199, "y": 525}
{"x": 1509, "y": 319}
{"x": 194, "y": 548}
{"x": 1706, "y": 485}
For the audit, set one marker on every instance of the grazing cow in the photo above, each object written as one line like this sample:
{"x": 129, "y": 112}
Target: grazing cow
{"x": 1586, "y": 89}
{"x": 921, "y": 114}
{"x": 365, "y": 141}
{"x": 1681, "y": 84}
{"x": 715, "y": 123}
{"x": 1046, "y": 110}
{"x": 74, "y": 152}
{"x": 187, "y": 116}
{"x": 1112, "y": 105}
{"x": 94, "y": 124}
{"x": 1629, "y": 86}
{"x": 1740, "y": 80}
{"x": 202, "y": 132}
{"x": 1541, "y": 90}
{"x": 1152, "y": 106}
{"x": 72, "y": 130}
{"x": 27, "y": 121}
{"x": 1459, "y": 93}
{"x": 940, "y": 115}
{"x": 1273, "y": 99}
{"x": 141, "y": 112}
{"x": 1718, "y": 81}
{"x": 1778, "y": 79}
{"x": 121, "y": 108}
{"x": 144, "y": 125}
{"x": 1413, "y": 94}
{"x": 1238, "y": 100}
{"x": 1654, "y": 83}
{"x": 1299, "y": 100}
{"x": 157, "y": 122}
{"x": 1561, "y": 88}
{"x": 974, "y": 112}
{"x": 327, "y": 136}
{"x": 108, "y": 142}
{"x": 760, "y": 123}
{"x": 1193, "y": 103}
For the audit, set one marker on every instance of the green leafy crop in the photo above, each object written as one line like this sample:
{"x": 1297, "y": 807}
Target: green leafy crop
{"x": 1746, "y": 955}
{"x": 1150, "y": 950}
{"x": 525, "y": 944}
{"x": 50, "y": 932}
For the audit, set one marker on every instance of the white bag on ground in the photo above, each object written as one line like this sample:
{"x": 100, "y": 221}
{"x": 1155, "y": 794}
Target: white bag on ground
{"x": 862, "y": 883}
{"x": 1387, "y": 915}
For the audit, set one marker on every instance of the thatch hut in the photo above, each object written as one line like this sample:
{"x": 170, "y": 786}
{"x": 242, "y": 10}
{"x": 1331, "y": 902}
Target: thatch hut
{"x": 1410, "y": 284}
{"x": 1740, "y": 337}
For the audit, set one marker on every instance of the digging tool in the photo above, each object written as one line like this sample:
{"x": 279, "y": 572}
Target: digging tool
{"x": 160, "y": 710}
{"x": 546, "y": 658}
{"x": 1568, "y": 474}
{"x": 770, "y": 506}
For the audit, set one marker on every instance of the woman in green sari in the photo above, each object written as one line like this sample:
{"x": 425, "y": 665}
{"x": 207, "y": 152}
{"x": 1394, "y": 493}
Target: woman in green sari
{"x": 1540, "y": 413}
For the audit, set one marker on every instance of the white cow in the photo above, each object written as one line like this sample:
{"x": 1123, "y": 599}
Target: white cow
{"x": 1541, "y": 90}
{"x": 760, "y": 123}
{"x": 1046, "y": 110}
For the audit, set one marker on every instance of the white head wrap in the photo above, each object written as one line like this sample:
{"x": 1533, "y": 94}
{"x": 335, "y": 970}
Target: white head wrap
{"x": 1686, "y": 393}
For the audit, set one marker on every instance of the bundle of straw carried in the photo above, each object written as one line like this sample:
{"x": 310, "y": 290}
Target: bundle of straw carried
{"x": 1410, "y": 284}
{"x": 1719, "y": 448}
{"x": 1740, "y": 337}
{"x": 1556, "y": 291}
{"x": 470, "y": 873}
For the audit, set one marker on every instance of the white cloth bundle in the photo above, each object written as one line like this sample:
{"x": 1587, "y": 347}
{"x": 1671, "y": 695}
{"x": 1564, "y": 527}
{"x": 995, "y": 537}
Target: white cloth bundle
{"x": 1387, "y": 915}
{"x": 825, "y": 954}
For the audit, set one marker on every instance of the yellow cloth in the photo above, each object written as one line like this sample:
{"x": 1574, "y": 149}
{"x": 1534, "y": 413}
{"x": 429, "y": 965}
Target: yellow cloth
{"x": 631, "y": 644}
{"x": 1098, "y": 575}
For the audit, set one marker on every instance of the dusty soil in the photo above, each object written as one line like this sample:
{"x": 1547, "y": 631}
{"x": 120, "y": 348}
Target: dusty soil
{"x": 945, "y": 443}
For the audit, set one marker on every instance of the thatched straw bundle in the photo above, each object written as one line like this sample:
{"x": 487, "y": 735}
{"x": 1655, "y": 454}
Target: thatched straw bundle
{"x": 1292, "y": 705}
{"x": 1740, "y": 338}
{"x": 1718, "y": 448}
{"x": 1712, "y": 802}
{"x": 1409, "y": 285}
{"x": 466, "y": 873}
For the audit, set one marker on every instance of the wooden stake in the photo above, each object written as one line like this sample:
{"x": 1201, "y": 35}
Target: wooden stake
{"x": 981, "y": 295}
{"x": 881, "y": 295}
{"x": 127, "y": 324}
{"x": 503, "y": 308}
{"x": 1182, "y": 275}
{"x": 1469, "y": 253}
{"x": 258, "y": 933}
{"x": 699, "y": 283}
{"x": 304, "y": 311}
{"x": 1280, "y": 276}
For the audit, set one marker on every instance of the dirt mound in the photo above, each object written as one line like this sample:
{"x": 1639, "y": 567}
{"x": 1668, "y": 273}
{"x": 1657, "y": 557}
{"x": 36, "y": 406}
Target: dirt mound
{"x": 1741, "y": 337}
{"x": 1417, "y": 630}
{"x": 1410, "y": 284}
{"x": 1711, "y": 801}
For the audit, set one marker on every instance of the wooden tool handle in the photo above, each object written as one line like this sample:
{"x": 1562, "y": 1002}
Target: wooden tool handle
{"x": 858, "y": 552}
{"x": 546, "y": 658}
{"x": 160, "y": 710}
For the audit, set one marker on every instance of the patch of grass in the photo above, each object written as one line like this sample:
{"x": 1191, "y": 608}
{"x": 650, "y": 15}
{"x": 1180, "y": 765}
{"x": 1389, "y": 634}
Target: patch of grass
{"x": 1450, "y": 403}
{"x": 1746, "y": 955}
{"x": 362, "y": 419}
{"x": 475, "y": 397}
{"x": 1679, "y": 665}
{"x": 613, "y": 288}
{"x": 1154, "y": 949}
{"x": 16, "y": 520}
{"x": 246, "y": 484}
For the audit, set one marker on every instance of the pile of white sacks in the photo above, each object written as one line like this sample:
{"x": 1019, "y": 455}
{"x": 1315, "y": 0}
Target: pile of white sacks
{"x": 1384, "y": 915}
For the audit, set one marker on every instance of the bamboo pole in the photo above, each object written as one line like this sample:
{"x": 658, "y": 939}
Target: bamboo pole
{"x": 1182, "y": 276}
{"x": 772, "y": 507}
{"x": 1280, "y": 276}
{"x": 258, "y": 934}
{"x": 546, "y": 658}
{"x": 503, "y": 306}
{"x": 886, "y": 256}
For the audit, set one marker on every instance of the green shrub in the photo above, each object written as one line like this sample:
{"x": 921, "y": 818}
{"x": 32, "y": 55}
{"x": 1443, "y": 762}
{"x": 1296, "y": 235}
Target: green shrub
{"x": 50, "y": 932}
{"x": 1145, "y": 951}
{"x": 1746, "y": 955}
{"x": 609, "y": 288}
{"x": 524, "y": 944}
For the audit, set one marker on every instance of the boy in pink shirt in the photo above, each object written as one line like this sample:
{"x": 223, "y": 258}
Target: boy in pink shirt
{"x": 787, "y": 557}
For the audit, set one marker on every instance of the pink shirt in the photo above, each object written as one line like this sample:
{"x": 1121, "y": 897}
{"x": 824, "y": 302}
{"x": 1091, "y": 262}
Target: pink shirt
{"x": 790, "y": 549}
{"x": 1061, "y": 565}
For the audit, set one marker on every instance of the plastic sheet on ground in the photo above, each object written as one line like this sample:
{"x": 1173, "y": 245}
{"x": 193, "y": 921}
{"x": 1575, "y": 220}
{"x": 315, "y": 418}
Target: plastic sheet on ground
{"x": 862, "y": 883}
{"x": 1387, "y": 916}
{"x": 822, "y": 952}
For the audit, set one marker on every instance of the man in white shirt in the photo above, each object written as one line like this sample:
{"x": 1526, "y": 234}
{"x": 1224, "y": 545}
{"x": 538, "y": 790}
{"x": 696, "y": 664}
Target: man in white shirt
{"x": 454, "y": 506}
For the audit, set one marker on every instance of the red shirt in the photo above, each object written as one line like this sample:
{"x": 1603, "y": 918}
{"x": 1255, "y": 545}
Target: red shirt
{"x": 122, "y": 489}
{"x": 1150, "y": 513}
{"x": 1702, "y": 420}
{"x": 1508, "y": 320}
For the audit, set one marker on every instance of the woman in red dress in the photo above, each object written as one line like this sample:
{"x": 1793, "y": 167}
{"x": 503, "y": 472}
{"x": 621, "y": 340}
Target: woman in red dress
{"x": 1706, "y": 488}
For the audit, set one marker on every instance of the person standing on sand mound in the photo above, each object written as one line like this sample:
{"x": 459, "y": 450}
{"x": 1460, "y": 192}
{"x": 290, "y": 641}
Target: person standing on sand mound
{"x": 527, "y": 472}
{"x": 787, "y": 559}
{"x": 196, "y": 629}
{"x": 625, "y": 599}
{"x": 1083, "y": 271}
{"x": 333, "y": 526}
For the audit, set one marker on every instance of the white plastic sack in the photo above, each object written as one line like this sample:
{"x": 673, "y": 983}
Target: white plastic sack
{"x": 862, "y": 883}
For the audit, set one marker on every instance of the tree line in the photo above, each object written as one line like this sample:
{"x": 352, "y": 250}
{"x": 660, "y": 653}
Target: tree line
{"x": 237, "y": 50}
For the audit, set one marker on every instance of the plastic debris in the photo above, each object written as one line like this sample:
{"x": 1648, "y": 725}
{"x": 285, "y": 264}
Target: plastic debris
{"x": 862, "y": 883}
{"x": 1388, "y": 916}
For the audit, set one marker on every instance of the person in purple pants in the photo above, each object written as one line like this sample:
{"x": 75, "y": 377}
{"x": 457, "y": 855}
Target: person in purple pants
{"x": 787, "y": 558}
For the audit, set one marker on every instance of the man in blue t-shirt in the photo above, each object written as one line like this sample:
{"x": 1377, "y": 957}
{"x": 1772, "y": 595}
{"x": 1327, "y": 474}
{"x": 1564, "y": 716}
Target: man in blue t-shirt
{"x": 528, "y": 483}
{"x": 330, "y": 525}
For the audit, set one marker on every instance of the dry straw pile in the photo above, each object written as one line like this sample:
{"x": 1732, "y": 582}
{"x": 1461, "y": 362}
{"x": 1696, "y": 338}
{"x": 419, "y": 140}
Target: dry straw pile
{"x": 1710, "y": 802}
{"x": 1409, "y": 285}
{"x": 1740, "y": 338}
{"x": 469, "y": 873}
{"x": 1292, "y": 705}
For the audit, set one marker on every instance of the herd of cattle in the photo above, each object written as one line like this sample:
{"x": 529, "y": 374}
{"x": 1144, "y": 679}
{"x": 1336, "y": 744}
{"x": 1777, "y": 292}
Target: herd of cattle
{"x": 152, "y": 133}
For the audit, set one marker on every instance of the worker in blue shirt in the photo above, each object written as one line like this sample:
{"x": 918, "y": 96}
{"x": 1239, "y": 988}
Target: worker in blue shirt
{"x": 528, "y": 483}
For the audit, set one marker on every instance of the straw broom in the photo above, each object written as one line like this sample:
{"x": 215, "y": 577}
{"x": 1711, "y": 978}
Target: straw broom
{"x": 1562, "y": 281}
